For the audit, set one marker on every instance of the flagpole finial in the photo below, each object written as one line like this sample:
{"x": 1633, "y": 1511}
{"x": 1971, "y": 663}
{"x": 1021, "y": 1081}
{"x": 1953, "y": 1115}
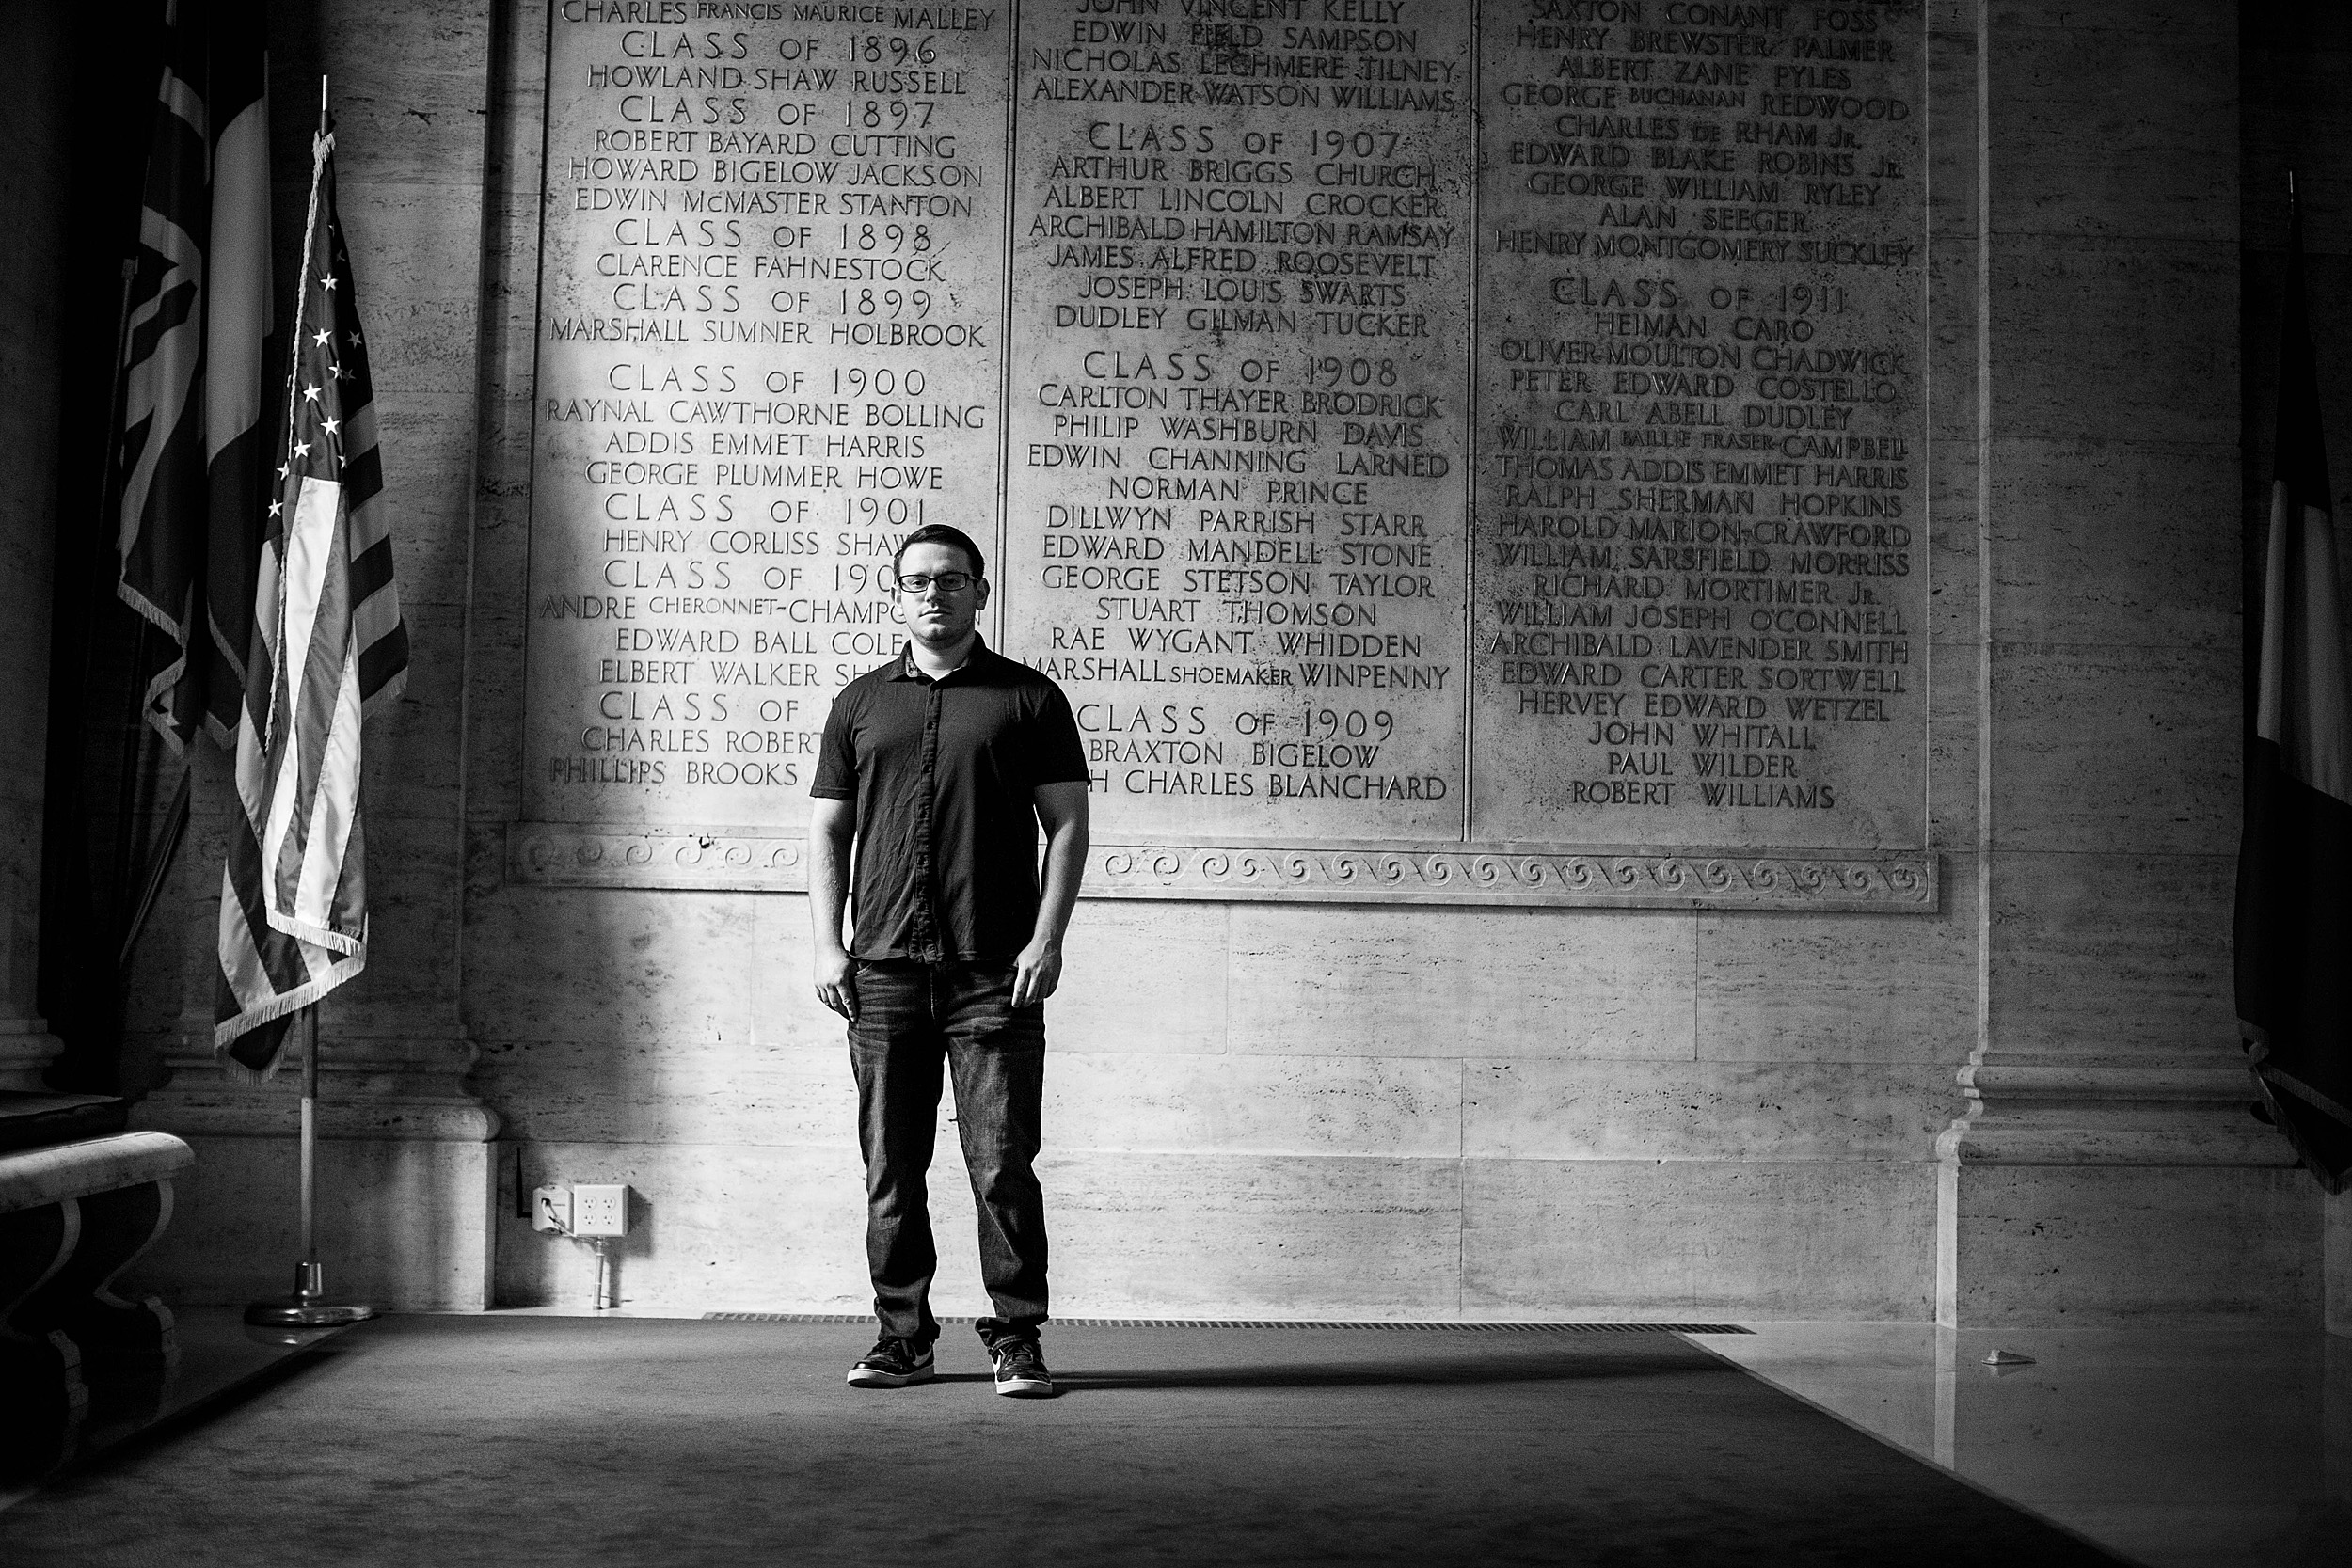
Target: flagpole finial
{"x": 323, "y": 140}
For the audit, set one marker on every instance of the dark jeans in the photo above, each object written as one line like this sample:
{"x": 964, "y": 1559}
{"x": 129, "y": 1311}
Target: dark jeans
{"x": 910, "y": 1019}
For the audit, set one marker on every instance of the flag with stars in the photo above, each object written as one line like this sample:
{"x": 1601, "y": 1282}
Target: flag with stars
{"x": 328, "y": 649}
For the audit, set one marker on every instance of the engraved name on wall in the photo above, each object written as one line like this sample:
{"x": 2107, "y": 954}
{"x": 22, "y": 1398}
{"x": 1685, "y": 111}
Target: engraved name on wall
{"x": 1701, "y": 601}
{"x": 770, "y": 345}
{"x": 1393, "y": 420}
{"x": 1239, "y": 427}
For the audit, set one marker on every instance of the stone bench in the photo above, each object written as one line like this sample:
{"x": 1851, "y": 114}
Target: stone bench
{"x": 73, "y": 1216}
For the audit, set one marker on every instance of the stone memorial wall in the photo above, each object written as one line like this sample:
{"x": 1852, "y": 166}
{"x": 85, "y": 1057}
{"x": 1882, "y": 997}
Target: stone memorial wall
{"x": 1445, "y": 452}
{"x": 1701, "y": 410}
{"x": 772, "y": 332}
{"x": 1667, "y": 344}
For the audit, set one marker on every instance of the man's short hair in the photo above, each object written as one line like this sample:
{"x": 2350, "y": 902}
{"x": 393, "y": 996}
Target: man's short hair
{"x": 939, "y": 534}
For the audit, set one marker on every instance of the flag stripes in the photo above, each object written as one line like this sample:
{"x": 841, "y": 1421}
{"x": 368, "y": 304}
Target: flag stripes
{"x": 328, "y": 645}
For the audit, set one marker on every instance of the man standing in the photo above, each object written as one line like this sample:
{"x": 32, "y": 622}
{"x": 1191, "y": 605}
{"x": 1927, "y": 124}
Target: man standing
{"x": 936, "y": 771}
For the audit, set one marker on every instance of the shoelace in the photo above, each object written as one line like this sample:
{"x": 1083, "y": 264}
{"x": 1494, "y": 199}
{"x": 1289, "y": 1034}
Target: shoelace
{"x": 1019, "y": 1359}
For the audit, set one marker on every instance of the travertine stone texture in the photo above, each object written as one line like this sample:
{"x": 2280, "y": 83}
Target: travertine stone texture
{"x": 404, "y": 1224}
{"x": 2090, "y": 538}
{"x": 723, "y": 1227}
{"x": 2155, "y": 771}
{"x": 2079, "y": 928}
{"x": 1779, "y": 1113}
{"x": 1327, "y": 1135}
{"x": 1406, "y": 1108}
{"x": 2049, "y": 1243}
{"x": 1113, "y": 998}
{"x": 33, "y": 79}
{"x": 1395, "y": 982}
{"x": 1844, "y": 1239}
{"x": 1774, "y": 987}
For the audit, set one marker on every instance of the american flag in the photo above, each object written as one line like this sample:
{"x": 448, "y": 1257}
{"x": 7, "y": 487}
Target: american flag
{"x": 329, "y": 648}
{"x": 189, "y": 462}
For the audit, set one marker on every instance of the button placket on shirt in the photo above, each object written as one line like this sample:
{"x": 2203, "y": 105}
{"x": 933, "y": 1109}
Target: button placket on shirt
{"x": 926, "y": 910}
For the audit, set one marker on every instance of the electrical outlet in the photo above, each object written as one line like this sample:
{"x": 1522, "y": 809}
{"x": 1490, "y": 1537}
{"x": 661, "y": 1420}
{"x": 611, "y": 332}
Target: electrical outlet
{"x": 551, "y": 1209}
{"x": 601, "y": 1210}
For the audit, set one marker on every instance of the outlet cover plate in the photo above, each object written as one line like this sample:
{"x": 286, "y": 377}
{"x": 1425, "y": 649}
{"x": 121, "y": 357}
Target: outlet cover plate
{"x": 601, "y": 1210}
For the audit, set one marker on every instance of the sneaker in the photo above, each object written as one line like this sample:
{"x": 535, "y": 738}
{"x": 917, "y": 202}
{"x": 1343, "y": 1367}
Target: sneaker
{"x": 1021, "y": 1369}
{"x": 893, "y": 1364}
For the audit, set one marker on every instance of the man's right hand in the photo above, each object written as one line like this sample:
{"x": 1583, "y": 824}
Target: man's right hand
{"x": 836, "y": 983}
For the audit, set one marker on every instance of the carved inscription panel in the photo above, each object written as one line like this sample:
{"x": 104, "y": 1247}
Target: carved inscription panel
{"x": 1240, "y": 430}
{"x": 771, "y": 344}
{"x": 1392, "y": 420}
{"x": 1701, "y": 557}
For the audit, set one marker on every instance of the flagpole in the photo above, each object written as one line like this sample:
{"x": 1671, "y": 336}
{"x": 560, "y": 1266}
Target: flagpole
{"x": 310, "y": 1280}
{"x": 306, "y": 1308}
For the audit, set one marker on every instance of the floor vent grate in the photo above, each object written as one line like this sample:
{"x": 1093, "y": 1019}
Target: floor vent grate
{"x": 1390, "y": 1326}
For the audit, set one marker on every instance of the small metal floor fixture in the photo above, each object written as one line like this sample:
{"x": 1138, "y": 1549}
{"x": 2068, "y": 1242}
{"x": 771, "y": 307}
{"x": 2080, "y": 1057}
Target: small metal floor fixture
{"x": 1412, "y": 1325}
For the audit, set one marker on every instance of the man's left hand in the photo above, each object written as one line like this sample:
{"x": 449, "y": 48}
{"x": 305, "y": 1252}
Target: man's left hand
{"x": 1036, "y": 972}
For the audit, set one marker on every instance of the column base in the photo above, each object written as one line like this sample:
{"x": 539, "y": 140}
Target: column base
{"x": 26, "y": 1048}
{"x": 2093, "y": 1194}
{"x": 407, "y": 1181}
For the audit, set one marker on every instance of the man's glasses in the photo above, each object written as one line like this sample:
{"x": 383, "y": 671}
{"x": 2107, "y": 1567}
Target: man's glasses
{"x": 946, "y": 582}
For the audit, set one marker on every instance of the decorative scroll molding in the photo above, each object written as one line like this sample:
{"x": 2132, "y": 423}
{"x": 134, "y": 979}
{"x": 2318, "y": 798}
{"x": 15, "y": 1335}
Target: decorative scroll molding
{"x": 565, "y": 854}
{"x": 554, "y": 854}
{"x": 1518, "y": 873}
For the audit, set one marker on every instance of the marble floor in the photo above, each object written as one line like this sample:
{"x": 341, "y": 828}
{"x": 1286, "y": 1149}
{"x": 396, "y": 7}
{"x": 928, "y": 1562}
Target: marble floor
{"x": 219, "y": 1356}
{"x": 2181, "y": 1448}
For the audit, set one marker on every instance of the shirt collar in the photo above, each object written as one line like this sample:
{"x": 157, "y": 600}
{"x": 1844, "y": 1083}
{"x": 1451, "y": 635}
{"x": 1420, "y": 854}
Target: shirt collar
{"x": 908, "y": 670}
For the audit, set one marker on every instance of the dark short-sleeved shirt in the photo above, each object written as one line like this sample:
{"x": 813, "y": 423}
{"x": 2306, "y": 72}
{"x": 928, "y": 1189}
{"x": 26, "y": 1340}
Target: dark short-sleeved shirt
{"x": 942, "y": 772}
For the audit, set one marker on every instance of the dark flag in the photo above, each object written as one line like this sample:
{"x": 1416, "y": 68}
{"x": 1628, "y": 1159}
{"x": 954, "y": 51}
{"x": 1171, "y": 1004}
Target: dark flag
{"x": 328, "y": 648}
{"x": 2294, "y": 927}
{"x": 236, "y": 346}
{"x": 190, "y": 463}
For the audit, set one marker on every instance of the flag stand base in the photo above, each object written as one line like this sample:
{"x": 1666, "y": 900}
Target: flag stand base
{"x": 304, "y": 1309}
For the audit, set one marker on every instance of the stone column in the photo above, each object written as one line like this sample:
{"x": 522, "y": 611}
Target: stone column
{"x": 33, "y": 82}
{"x": 2107, "y": 1166}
